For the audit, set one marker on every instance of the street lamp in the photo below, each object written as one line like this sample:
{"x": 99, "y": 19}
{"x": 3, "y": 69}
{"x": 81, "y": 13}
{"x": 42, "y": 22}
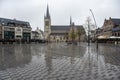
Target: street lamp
{"x": 88, "y": 31}
{"x": 96, "y": 28}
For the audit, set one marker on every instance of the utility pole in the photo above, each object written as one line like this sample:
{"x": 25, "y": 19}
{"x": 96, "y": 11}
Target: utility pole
{"x": 96, "y": 28}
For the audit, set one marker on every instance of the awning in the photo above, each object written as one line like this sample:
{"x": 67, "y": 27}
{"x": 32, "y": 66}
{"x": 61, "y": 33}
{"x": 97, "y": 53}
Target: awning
{"x": 114, "y": 37}
{"x": 102, "y": 37}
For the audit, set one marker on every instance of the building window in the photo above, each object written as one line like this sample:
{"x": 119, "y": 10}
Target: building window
{"x": 60, "y": 38}
{"x": 118, "y": 34}
{"x": 64, "y": 37}
{"x": 54, "y": 37}
{"x": 115, "y": 34}
{"x": 112, "y": 34}
{"x": 47, "y": 23}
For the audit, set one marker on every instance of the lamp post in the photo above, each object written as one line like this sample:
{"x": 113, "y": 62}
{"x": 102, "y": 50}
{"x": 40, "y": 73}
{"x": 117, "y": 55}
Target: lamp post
{"x": 88, "y": 31}
{"x": 96, "y": 28}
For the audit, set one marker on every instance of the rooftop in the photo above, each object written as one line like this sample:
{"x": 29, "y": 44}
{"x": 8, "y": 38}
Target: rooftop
{"x": 13, "y": 22}
{"x": 63, "y": 27}
{"x": 116, "y": 20}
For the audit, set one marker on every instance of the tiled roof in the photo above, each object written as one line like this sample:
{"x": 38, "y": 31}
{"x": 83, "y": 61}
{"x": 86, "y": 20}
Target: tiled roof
{"x": 57, "y": 34}
{"x": 60, "y": 27}
{"x": 116, "y": 21}
{"x": 63, "y": 27}
{"x": 34, "y": 32}
{"x": 79, "y": 26}
{"x": 5, "y": 22}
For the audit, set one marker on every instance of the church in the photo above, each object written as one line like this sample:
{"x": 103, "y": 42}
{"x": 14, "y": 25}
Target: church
{"x": 60, "y": 33}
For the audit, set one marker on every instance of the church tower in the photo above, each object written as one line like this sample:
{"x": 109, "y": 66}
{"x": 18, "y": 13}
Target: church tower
{"x": 70, "y": 20}
{"x": 47, "y": 24}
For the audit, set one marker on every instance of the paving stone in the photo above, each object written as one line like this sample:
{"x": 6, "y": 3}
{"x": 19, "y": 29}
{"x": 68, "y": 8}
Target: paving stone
{"x": 59, "y": 63}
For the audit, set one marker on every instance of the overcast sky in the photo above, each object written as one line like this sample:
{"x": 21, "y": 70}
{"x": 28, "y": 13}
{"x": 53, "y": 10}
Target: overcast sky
{"x": 60, "y": 10}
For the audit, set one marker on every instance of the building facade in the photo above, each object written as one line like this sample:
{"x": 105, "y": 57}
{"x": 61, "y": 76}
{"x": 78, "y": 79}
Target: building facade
{"x": 37, "y": 34}
{"x": 0, "y": 32}
{"x": 34, "y": 35}
{"x": 109, "y": 32}
{"x": 57, "y": 33}
{"x": 111, "y": 27}
{"x": 13, "y": 29}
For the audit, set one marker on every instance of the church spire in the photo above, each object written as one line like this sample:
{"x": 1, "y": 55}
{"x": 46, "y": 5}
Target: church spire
{"x": 47, "y": 13}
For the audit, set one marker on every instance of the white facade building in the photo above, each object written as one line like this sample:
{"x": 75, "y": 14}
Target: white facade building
{"x": 37, "y": 34}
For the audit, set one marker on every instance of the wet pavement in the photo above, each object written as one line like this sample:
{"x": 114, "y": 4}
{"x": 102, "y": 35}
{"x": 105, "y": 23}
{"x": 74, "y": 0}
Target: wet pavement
{"x": 58, "y": 61}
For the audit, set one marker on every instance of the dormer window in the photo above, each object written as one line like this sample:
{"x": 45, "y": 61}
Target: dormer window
{"x": 3, "y": 23}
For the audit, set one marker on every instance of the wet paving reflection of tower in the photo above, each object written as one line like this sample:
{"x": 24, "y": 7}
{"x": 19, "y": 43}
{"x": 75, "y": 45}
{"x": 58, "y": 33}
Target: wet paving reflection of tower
{"x": 48, "y": 58}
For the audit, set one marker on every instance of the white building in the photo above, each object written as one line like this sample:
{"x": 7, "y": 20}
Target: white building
{"x": 37, "y": 34}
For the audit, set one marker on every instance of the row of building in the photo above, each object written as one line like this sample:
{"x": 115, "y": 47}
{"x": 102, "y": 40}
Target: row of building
{"x": 12, "y": 30}
{"x": 16, "y": 30}
{"x": 109, "y": 32}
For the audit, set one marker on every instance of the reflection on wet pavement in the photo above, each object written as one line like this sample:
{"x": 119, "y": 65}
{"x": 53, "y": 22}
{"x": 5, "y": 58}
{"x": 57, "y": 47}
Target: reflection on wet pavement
{"x": 58, "y": 61}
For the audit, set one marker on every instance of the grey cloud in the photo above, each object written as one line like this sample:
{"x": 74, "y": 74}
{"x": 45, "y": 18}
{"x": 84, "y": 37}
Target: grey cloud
{"x": 60, "y": 10}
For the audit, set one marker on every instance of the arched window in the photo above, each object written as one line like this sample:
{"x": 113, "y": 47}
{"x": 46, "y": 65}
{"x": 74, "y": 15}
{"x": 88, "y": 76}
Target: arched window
{"x": 112, "y": 34}
{"x": 118, "y": 33}
{"x": 60, "y": 38}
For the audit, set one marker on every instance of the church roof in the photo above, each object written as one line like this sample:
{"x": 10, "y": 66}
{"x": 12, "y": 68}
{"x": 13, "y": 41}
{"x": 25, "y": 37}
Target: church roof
{"x": 79, "y": 26}
{"x": 60, "y": 27}
{"x": 58, "y": 34}
{"x": 64, "y": 27}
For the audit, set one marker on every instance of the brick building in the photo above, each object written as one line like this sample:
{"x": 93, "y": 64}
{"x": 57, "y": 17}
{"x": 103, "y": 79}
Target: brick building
{"x": 111, "y": 27}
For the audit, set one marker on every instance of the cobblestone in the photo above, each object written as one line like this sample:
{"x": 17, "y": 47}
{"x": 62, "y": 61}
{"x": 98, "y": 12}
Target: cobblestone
{"x": 57, "y": 61}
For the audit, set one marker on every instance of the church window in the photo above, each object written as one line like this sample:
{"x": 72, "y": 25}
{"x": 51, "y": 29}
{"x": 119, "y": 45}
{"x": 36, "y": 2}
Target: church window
{"x": 47, "y": 23}
{"x": 47, "y": 27}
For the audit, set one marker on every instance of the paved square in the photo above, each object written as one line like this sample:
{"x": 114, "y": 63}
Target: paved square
{"x": 58, "y": 61}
